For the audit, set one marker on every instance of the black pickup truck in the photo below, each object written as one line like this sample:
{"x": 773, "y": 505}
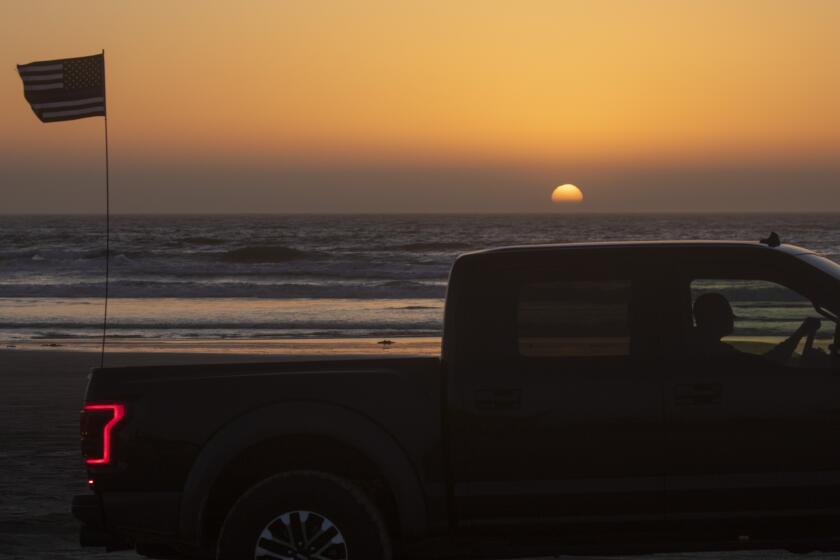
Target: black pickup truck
{"x": 686, "y": 391}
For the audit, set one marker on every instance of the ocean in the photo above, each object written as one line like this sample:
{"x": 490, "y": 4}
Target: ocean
{"x": 297, "y": 276}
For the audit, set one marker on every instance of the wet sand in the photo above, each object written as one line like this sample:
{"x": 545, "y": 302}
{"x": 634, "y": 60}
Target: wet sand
{"x": 40, "y": 466}
{"x": 149, "y": 350}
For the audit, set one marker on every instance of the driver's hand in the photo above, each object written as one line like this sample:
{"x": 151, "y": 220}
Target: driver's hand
{"x": 811, "y": 324}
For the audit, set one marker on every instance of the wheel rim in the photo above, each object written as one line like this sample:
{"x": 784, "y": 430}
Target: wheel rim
{"x": 301, "y": 535}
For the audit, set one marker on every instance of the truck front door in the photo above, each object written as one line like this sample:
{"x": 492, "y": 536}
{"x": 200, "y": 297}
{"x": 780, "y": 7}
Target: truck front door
{"x": 752, "y": 418}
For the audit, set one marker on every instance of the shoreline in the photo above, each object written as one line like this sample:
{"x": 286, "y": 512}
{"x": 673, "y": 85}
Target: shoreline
{"x": 281, "y": 347}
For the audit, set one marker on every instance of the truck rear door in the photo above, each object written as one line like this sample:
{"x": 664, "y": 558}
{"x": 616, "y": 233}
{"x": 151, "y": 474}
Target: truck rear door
{"x": 556, "y": 404}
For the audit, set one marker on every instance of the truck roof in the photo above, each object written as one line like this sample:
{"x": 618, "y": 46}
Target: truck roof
{"x": 631, "y": 245}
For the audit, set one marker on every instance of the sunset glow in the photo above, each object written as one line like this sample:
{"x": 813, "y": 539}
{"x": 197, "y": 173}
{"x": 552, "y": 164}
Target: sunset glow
{"x": 647, "y": 85}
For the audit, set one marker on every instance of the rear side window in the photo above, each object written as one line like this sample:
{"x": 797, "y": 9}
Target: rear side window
{"x": 574, "y": 318}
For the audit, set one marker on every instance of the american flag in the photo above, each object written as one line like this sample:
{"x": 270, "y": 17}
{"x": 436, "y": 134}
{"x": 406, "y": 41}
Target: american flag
{"x": 65, "y": 89}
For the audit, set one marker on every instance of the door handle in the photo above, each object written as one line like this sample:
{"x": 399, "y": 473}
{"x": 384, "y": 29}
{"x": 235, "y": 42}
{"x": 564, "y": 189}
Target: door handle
{"x": 698, "y": 393}
{"x": 498, "y": 399}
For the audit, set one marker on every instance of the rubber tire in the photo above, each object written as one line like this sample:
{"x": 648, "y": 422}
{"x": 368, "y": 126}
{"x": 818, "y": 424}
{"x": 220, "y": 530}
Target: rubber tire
{"x": 359, "y": 520}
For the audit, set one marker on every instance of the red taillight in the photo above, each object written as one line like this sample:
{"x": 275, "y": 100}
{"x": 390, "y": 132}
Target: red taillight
{"x": 97, "y": 424}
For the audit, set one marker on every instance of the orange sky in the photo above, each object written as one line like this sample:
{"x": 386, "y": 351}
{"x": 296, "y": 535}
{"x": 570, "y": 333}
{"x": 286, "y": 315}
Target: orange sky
{"x": 531, "y": 86}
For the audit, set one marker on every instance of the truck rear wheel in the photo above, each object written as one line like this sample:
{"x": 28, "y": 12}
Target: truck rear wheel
{"x": 304, "y": 515}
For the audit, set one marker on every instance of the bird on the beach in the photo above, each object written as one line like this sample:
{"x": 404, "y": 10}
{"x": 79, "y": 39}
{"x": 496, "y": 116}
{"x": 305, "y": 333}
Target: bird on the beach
{"x": 386, "y": 342}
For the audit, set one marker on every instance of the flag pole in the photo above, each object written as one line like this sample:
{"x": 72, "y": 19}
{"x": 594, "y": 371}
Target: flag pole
{"x": 107, "y": 219}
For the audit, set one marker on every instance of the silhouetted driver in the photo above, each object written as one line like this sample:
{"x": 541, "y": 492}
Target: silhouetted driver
{"x": 714, "y": 319}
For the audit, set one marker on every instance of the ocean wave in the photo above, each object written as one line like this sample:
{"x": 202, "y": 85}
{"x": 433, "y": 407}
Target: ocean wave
{"x": 267, "y": 254}
{"x": 201, "y": 241}
{"x": 221, "y": 335}
{"x": 403, "y": 284}
{"x": 197, "y": 290}
{"x": 99, "y": 254}
{"x": 432, "y": 246}
{"x": 40, "y": 335}
{"x": 12, "y": 254}
{"x": 93, "y": 254}
{"x": 55, "y": 334}
{"x": 57, "y": 328}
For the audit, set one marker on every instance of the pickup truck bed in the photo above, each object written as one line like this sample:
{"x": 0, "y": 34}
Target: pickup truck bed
{"x": 186, "y": 451}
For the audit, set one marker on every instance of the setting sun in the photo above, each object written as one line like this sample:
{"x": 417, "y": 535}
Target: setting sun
{"x": 567, "y": 193}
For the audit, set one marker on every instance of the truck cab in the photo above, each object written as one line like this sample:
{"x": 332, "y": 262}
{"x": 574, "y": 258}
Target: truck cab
{"x": 578, "y": 390}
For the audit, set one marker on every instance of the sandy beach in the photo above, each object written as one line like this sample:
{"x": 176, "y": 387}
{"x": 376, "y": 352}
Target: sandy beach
{"x": 40, "y": 468}
{"x": 40, "y": 464}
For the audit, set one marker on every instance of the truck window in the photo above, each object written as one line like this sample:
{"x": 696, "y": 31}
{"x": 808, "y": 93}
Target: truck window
{"x": 574, "y": 318}
{"x": 765, "y": 315}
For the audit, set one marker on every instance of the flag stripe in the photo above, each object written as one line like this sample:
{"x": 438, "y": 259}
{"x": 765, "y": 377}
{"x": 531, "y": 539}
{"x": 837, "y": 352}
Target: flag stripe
{"x": 58, "y": 85}
{"x": 42, "y": 77}
{"x": 26, "y": 75}
{"x": 53, "y": 114}
{"x": 63, "y": 104}
{"x": 39, "y": 68}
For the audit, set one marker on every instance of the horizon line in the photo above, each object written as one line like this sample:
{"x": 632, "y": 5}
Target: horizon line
{"x": 440, "y": 213}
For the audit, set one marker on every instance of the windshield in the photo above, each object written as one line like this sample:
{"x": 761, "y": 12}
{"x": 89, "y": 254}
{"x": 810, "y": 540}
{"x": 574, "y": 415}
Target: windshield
{"x": 823, "y": 263}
